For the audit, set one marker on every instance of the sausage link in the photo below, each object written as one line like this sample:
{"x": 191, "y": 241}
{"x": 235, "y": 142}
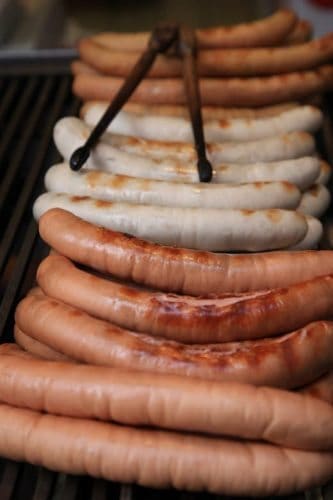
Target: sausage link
{"x": 240, "y": 62}
{"x": 158, "y": 459}
{"x": 187, "y": 319}
{"x": 228, "y": 92}
{"x": 174, "y": 269}
{"x": 286, "y": 361}
{"x": 168, "y": 402}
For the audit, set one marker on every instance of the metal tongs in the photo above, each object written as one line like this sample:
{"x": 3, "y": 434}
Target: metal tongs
{"x": 163, "y": 38}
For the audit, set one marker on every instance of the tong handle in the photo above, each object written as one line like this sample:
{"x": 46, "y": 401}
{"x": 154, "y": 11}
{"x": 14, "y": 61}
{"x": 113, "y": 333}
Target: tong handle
{"x": 162, "y": 37}
{"x": 188, "y": 48}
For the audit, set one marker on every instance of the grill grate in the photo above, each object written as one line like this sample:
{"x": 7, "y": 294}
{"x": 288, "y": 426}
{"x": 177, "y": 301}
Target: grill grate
{"x": 31, "y": 103}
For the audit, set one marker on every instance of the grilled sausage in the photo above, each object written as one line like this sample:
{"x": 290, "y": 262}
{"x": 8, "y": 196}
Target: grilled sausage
{"x": 306, "y": 118}
{"x": 228, "y": 409}
{"x": 231, "y": 62}
{"x": 70, "y": 133}
{"x": 188, "y": 319}
{"x": 228, "y": 92}
{"x": 321, "y": 388}
{"x": 206, "y": 229}
{"x": 175, "y": 269}
{"x": 118, "y": 188}
{"x": 268, "y": 31}
{"x": 285, "y": 361}
{"x": 158, "y": 458}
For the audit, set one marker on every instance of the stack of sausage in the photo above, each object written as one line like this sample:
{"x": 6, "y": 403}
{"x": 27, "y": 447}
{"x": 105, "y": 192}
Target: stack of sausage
{"x": 231, "y": 385}
{"x": 217, "y": 366}
{"x": 268, "y": 187}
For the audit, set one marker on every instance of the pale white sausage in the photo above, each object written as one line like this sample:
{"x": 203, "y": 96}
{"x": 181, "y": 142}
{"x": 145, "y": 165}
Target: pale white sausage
{"x": 168, "y": 128}
{"x": 209, "y": 229}
{"x": 105, "y": 186}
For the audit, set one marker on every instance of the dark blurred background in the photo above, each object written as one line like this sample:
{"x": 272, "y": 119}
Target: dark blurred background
{"x": 29, "y": 25}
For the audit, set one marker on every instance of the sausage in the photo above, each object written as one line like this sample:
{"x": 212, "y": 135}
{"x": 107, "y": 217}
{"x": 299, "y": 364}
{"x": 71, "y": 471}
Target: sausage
{"x": 175, "y": 269}
{"x": 187, "y": 319}
{"x": 301, "y": 33}
{"x": 228, "y": 92}
{"x": 285, "y": 146}
{"x": 36, "y": 348}
{"x": 226, "y": 409}
{"x": 206, "y": 229}
{"x": 268, "y": 31}
{"x": 321, "y": 388}
{"x": 313, "y": 236}
{"x": 69, "y": 135}
{"x": 286, "y": 361}
{"x": 119, "y": 188}
{"x": 231, "y": 62}
{"x": 307, "y": 118}
{"x": 315, "y": 201}
{"x": 158, "y": 458}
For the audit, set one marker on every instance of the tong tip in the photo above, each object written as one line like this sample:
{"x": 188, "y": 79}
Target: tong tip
{"x": 205, "y": 170}
{"x": 79, "y": 157}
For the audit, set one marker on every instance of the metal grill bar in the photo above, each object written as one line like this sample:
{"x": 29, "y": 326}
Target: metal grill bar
{"x": 33, "y": 174}
{"x": 12, "y": 172}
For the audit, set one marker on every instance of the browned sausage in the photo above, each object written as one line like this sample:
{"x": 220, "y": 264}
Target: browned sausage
{"x": 158, "y": 458}
{"x": 286, "y": 361}
{"x": 217, "y": 62}
{"x": 321, "y": 388}
{"x": 187, "y": 319}
{"x": 169, "y": 402}
{"x": 228, "y": 92}
{"x": 264, "y": 32}
{"x": 174, "y": 269}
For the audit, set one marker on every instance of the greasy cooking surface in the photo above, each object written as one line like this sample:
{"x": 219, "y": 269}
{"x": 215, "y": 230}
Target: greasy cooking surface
{"x": 29, "y": 107}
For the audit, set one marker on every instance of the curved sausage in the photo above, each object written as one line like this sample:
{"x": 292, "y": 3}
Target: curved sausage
{"x": 231, "y": 62}
{"x": 322, "y": 388}
{"x": 188, "y": 319}
{"x": 167, "y": 402}
{"x": 119, "y": 188}
{"x": 176, "y": 269}
{"x": 206, "y": 229}
{"x": 286, "y": 361}
{"x": 268, "y": 31}
{"x": 69, "y": 134}
{"x": 228, "y": 92}
{"x": 306, "y": 118}
{"x": 158, "y": 458}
